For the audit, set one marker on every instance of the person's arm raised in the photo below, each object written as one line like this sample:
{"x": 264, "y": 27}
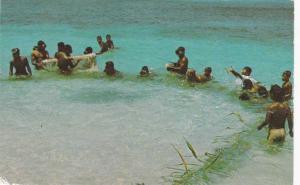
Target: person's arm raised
{"x": 236, "y": 74}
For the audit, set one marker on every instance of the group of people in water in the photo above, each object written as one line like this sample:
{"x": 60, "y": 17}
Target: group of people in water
{"x": 65, "y": 62}
{"x": 277, "y": 113}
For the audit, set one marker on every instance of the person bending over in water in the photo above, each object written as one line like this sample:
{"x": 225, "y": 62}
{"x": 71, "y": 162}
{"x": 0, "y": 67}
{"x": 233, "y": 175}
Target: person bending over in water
{"x": 287, "y": 85}
{"x": 20, "y": 64}
{"x": 103, "y": 45}
{"x": 110, "y": 69}
{"x": 245, "y": 74}
{"x": 192, "y": 77}
{"x": 39, "y": 54}
{"x": 109, "y": 42}
{"x": 60, "y": 49}
{"x": 182, "y": 65}
{"x": 88, "y": 50}
{"x": 65, "y": 61}
{"x": 249, "y": 91}
{"x": 277, "y": 113}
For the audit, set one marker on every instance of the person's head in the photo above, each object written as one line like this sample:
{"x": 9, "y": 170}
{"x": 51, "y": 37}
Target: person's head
{"x": 99, "y": 39}
{"x": 68, "y": 49}
{"x": 41, "y": 45}
{"x": 262, "y": 92}
{"x": 207, "y": 71}
{"x": 61, "y": 46}
{"x": 191, "y": 75}
{"x": 277, "y": 93}
{"x": 108, "y": 37}
{"x": 88, "y": 50}
{"x": 15, "y": 52}
{"x": 247, "y": 84}
{"x": 246, "y": 71}
{"x": 180, "y": 51}
{"x": 144, "y": 70}
{"x": 244, "y": 97}
{"x": 286, "y": 76}
{"x": 109, "y": 68}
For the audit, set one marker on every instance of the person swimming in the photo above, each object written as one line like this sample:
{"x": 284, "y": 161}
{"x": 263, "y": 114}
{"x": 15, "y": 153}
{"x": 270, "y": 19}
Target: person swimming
{"x": 277, "y": 113}
{"x": 182, "y": 64}
{"x": 88, "y": 50}
{"x": 287, "y": 85}
{"x": 65, "y": 61}
{"x": 192, "y": 77}
{"x": 144, "y": 71}
{"x": 103, "y": 46}
{"x": 245, "y": 74}
{"x": 110, "y": 69}
{"x": 109, "y": 42}
{"x": 19, "y": 63}
{"x": 39, "y": 54}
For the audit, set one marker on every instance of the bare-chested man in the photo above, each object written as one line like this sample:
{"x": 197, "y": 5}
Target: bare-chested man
{"x": 287, "y": 85}
{"x": 182, "y": 65}
{"x": 20, "y": 64}
{"x": 277, "y": 113}
{"x": 39, "y": 54}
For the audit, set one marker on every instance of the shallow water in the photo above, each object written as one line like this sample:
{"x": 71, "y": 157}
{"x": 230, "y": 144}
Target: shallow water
{"x": 86, "y": 129}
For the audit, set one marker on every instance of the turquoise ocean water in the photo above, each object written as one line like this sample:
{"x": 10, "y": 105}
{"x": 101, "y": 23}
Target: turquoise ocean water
{"x": 86, "y": 129}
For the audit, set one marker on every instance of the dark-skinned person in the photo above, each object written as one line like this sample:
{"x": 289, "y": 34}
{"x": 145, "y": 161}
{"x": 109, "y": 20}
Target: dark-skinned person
{"x": 277, "y": 114}
{"x": 110, "y": 70}
{"x": 287, "y": 85}
{"x": 191, "y": 76}
{"x": 39, "y": 53}
{"x": 66, "y": 63}
{"x": 182, "y": 64}
{"x": 19, "y": 64}
{"x": 103, "y": 46}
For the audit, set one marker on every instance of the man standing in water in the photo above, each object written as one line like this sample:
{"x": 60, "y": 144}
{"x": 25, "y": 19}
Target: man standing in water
{"x": 287, "y": 85}
{"x": 20, "y": 64}
{"x": 277, "y": 113}
{"x": 182, "y": 65}
{"x": 38, "y": 54}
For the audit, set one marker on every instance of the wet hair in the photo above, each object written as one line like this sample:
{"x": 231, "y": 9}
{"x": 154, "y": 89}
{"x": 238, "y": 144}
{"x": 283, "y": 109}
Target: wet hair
{"x": 248, "y": 69}
{"x": 287, "y": 73}
{"x": 277, "y": 93}
{"x": 109, "y": 65}
{"x": 191, "y": 75}
{"x": 247, "y": 84}
{"x": 68, "y": 48}
{"x": 145, "y": 68}
{"x": 244, "y": 97}
{"x": 180, "y": 49}
{"x": 15, "y": 50}
{"x": 40, "y": 43}
{"x": 108, "y": 35}
{"x": 263, "y": 92}
{"x": 208, "y": 69}
{"x": 61, "y": 44}
{"x": 88, "y": 50}
{"x": 99, "y": 37}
